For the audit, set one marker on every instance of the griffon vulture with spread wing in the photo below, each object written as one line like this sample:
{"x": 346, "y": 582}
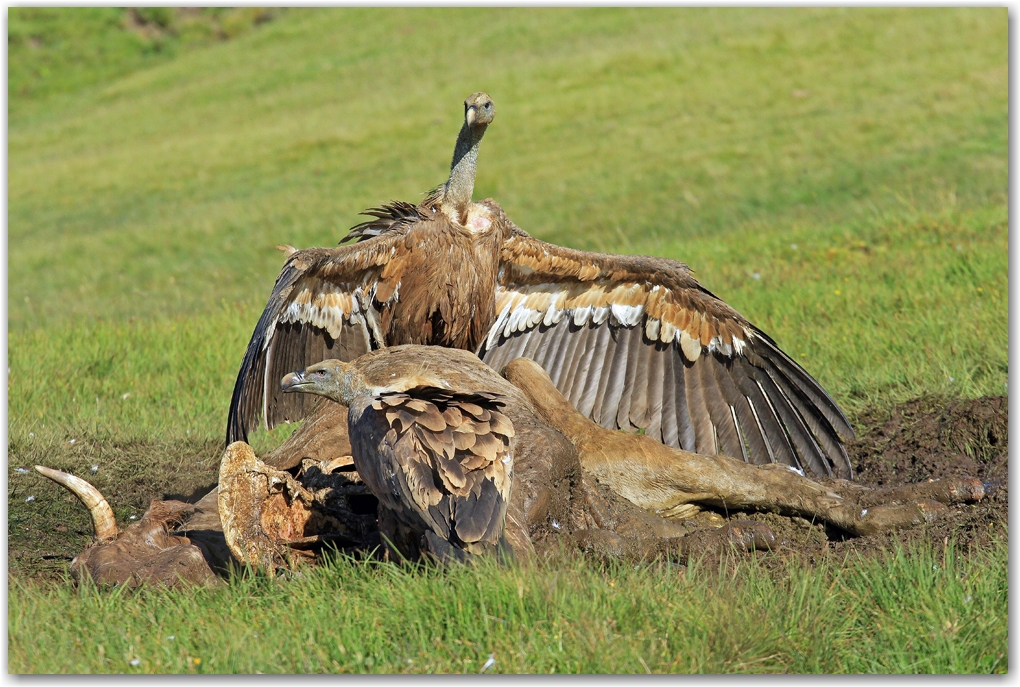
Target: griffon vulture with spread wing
{"x": 633, "y": 342}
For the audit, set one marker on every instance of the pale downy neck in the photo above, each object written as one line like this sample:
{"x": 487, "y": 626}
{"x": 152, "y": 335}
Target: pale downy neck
{"x": 348, "y": 387}
{"x": 461, "y": 184}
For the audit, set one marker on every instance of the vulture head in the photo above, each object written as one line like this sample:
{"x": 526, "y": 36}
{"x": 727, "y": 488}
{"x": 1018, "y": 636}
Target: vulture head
{"x": 479, "y": 111}
{"x": 335, "y": 380}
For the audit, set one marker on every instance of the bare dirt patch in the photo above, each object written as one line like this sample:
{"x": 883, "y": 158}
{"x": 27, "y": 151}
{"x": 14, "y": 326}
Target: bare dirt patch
{"x": 47, "y": 526}
{"x": 928, "y": 438}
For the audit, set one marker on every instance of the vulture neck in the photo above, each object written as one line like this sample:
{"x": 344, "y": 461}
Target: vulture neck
{"x": 461, "y": 184}
{"x": 347, "y": 387}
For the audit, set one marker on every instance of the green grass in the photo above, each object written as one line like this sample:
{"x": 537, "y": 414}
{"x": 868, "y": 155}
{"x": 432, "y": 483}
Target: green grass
{"x": 838, "y": 176}
{"x": 154, "y": 200}
{"x": 52, "y": 50}
{"x": 909, "y": 611}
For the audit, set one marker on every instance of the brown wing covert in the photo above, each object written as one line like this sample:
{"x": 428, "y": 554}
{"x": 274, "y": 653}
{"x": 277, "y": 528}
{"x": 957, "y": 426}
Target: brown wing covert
{"x": 441, "y": 460}
{"x": 327, "y": 303}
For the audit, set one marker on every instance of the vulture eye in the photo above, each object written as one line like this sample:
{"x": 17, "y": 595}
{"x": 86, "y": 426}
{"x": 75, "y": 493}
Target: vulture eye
{"x": 488, "y": 106}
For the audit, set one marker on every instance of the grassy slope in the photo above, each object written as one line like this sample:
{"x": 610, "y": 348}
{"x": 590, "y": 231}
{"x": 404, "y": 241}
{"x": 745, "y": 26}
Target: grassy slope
{"x": 855, "y": 161}
{"x": 56, "y": 50}
{"x": 149, "y": 206}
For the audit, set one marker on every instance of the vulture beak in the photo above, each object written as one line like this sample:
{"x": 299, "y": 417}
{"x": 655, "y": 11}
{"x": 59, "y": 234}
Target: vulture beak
{"x": 471, "y": 115}
{"x": 293, "y": 381}
{"x": 319, "y": 379}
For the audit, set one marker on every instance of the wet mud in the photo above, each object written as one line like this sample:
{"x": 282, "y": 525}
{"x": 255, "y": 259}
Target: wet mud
{"x": 928, "y": 438}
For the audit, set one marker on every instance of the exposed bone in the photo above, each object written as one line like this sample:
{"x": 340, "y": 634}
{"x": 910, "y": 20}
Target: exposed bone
{"x": 102, "y": 515}
{"x": 271, "y": 520}
{"x": 254, "y": 498}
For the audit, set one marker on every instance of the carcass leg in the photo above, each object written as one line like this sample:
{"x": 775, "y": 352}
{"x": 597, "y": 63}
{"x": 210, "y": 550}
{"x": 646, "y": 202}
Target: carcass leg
{"x": 659, "y": 478}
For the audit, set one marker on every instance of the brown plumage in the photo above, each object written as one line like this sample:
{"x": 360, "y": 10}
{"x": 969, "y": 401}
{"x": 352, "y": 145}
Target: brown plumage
{"x": 421, "y": 274}
{"x": 439, "y": 461}
{"x": 633, "y": 342}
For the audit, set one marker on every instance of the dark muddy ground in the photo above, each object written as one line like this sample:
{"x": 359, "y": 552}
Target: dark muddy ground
{"x": 927, "y": 438}
{"x": 47, "y": 527}
{"x": 923, "y": 439}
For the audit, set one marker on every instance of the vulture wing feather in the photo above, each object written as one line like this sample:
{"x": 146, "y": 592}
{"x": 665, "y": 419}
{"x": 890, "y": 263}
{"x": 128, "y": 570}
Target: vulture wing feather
{"x": 635, "y": 350}
{"x": 421, "y": 469}
{"x": 321, "y": 307}
{"x": 664, "y": 324}
{"x": 671, "y": 417}
{"x": 587, "y": 380}
{"x": 654, "y": 383}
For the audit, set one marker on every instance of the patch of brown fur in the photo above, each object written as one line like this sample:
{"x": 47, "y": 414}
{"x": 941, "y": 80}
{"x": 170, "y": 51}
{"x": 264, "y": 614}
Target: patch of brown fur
{"x": 146, "y": 553}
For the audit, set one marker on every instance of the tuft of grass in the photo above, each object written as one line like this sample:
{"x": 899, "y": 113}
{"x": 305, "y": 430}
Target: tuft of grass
{"x": 911, "y": 610}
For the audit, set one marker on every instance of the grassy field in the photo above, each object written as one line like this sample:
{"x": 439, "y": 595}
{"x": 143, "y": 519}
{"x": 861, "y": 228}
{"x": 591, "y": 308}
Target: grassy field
{"x": 911, "y": 611}
{"x": 838, "y": 176}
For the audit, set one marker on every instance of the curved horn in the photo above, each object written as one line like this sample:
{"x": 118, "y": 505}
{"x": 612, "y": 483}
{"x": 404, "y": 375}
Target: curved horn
{"x": 102, "y": 514}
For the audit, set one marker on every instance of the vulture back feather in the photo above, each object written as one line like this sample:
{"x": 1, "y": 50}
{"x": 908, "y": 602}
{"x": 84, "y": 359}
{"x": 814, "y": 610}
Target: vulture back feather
{"x": 441, "y": 460}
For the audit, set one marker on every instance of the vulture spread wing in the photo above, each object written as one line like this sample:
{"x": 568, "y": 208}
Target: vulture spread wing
{"x": 327, "y": 303}
{"x": 445, "y": 456}
{"x": 637, "y": 343}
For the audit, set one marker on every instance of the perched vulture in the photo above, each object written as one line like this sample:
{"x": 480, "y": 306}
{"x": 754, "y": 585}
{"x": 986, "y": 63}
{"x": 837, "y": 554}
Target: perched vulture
{"x": 439, "y": 460}
{"x": 634, "y": 342}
